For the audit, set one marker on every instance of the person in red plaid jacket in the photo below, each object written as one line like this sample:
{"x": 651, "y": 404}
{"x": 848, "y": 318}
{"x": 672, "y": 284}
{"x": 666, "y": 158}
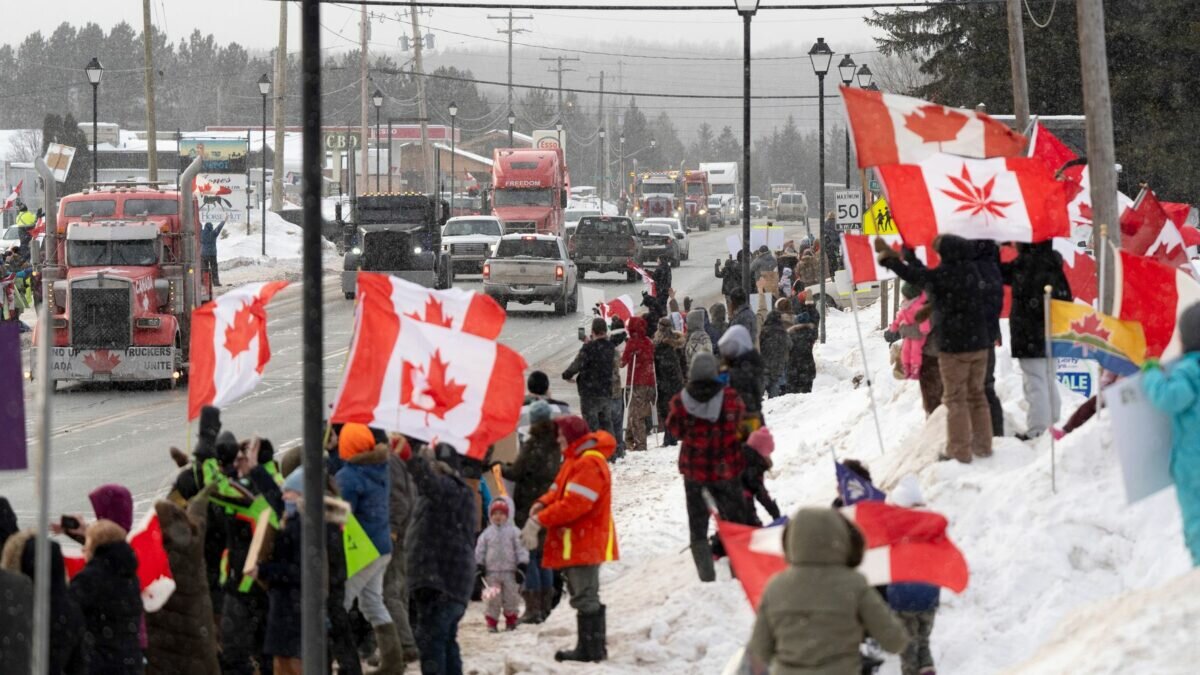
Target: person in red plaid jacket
{"x": 705, "y": 417}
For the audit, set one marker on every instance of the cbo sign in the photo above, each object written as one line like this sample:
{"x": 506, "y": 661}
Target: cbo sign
{"x": 339, "y": 141}
{"x": 878, "y": 220}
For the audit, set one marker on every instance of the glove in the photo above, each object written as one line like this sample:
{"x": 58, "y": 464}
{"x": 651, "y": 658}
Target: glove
{"x": 529, "y": 533}
{"x": 1150, "y": 364}
{"x": 890, "y": 336}
{"x": 521, "y": 567}
{"x": 884, "y": 251}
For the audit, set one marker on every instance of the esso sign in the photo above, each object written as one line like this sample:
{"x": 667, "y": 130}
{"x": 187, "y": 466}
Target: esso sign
{"x": 549, "y": 139}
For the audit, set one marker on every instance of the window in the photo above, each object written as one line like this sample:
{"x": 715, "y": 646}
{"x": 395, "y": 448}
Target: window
{"x": 524, "y": 197}
{"x": 135, "y": 252}
{"x": 576, "y": 214}
{"x": 90, "y": 207}
{"x": 524, "y": 166}
{"x": 528, "y": 248}
{"x": 463, "y": 228}
{"x": 655, "y": 230}
{"x": 592, "y": 225}
{"x": 151, "y": 207}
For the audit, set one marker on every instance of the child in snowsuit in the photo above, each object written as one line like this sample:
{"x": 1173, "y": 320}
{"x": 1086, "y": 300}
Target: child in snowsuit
{"x": 1177, "y": 392}
{"x": 802, "y": 336}
{"x": 912, "y": 331}
{"x": 501, "y": 558}
{"x": 916, "y": 604}
{"x": 758, "y": 451}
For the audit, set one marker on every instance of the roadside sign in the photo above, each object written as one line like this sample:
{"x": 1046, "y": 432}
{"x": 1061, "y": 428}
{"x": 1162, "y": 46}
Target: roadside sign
{"x": 878, "y": 220}
{"x": 849, "y": 207}
{"x": 59, "y": 158}
{"x": 1077, "y": 375}
{"x": 336, "y": 141}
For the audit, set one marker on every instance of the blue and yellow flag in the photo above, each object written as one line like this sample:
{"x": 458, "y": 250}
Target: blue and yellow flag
{"x": 1080, "y": 332}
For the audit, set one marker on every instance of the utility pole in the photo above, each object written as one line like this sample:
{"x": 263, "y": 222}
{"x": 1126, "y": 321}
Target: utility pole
{"x": 600, "y": 158}
{"x": 1016, "y": 55}
{"x": 364, "y": 29}
{"x": 151, "y": 133}
{"x": 510, "y": 32}
{"x": 422, "y": 104}
{"x": 279, "y": 114}
{"x": 1102, "y": 163}
{"x": 560, "y": 70}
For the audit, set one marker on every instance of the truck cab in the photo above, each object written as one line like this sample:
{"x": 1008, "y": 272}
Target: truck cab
{"x": 400, "y": 235}
{"x": 530, "y": 187}
{"x": 695, "y": 205}
{"x": 659, "y": 195}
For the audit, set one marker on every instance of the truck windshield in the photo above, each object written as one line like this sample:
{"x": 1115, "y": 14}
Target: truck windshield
{"x": 723, "y": 189}
{"x": 695, "y": 188}
{"x": 462, "y": 228}
{"x": 658, "y": 188}
{"x": 528, "y": 248}
{"x": 524, "y": 197}
{"x": 151, "y": 207}
{"x": 90, "y": 207}
{"x": 135, "y": 252}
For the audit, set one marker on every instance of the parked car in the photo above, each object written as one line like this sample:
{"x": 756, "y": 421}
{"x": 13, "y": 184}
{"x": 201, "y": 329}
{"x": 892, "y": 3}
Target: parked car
{"x": 716, "y": 210}
{"x": 682, "y": 241}
{"x": 10, "y": 237}
{"x": 529, "y": 268}
{"x": 470, "y": 240}
{"x": 658, "y": 239}
{"x": 606, "y": 244}
{"x": 792, "y": 206}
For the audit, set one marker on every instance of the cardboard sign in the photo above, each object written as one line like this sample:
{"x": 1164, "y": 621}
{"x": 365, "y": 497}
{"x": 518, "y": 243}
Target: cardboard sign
{"x": 59, "y": 158}
{"x": 767, "y": 235}
{"x": 589, "y": 297}
{"x": 1141, "y": 436}
{"x": 1078, "y": 375}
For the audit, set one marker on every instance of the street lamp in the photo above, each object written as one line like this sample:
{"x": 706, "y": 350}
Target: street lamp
{"x": 512, "y": 119}
{"x": 95, "y": 72}
{"x": 264, "y": 88}
{"x": 453, "y": 114}
{"x": 864, "y": 77}
{"x": 821, "y": 56}
{"x": 558, "y": 127}
{"x": 603, "y": 172}
{"x": 846, "y": 70}
{"x": 621, "y": 147}
{"x": 747, "y": 9}
{"x": 377, "y": 99}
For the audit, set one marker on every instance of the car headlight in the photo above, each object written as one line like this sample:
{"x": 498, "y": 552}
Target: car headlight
{"x": 416, "y": 249}
{"x": 356, "y": 250}
{"x": 703, "y": 211}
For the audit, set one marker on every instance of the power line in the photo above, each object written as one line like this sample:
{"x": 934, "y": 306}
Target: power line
{"x": 649, "y": 8}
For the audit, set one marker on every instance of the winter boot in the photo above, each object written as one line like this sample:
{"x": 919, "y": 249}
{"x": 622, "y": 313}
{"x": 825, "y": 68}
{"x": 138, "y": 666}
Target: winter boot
{"x": 510, "y": 621}
{"x": 598, "y": 635}
{"x": 533, "y": 607}
{"x": 547, "y": 603}
{"x": 702, "y": 555}
{"x": 592, "y": 639}
{"x": 391, "y": 654}
{"x": 492, "y": 624}
{"x": 578, "y": 653}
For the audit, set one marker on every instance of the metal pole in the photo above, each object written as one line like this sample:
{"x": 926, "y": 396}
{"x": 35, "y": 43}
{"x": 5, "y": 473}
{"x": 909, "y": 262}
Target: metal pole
{"x": 95, "y": 138}
{"x": 41, "y": 586}
{"x": 249, "y": 182}
{"x": 1016, "y": 55}
{"x": 746, "y": 16}
{"x": 847, "y": 156}
{"x": 263, "y": 152}
{"x": 603, "y": 177}
{"x": 452, "y": 153}
{"x": 821, "y": 196}
{"x": 313, "y": 561}
{"x": 510, "y": 134}
{"x": 390, "y": 165}
{"x": 1051, "y": 381}
{"x": 377, "y": 139}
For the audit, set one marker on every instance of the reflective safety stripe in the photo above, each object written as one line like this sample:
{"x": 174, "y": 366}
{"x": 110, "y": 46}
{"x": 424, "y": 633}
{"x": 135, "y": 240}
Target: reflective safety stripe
{"x": 566, "y": 543}
{"x": 612, "y": 540}
{"x": 583, "y": 491}
{"x": 597, "y": 453}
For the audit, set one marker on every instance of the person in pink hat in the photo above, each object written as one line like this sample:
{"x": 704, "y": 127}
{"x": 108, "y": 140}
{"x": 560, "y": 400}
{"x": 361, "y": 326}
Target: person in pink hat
{"x": 758, "y": 449}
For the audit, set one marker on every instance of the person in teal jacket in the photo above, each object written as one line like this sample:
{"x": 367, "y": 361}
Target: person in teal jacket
{"x": 1177, "y": 392}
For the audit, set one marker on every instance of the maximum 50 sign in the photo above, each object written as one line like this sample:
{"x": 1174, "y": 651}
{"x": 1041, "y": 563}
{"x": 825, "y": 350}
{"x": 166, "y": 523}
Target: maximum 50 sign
{"x": 849, "y": 207}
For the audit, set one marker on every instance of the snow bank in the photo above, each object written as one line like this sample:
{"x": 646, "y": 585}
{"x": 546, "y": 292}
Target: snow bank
{"x": 239, "y": 251}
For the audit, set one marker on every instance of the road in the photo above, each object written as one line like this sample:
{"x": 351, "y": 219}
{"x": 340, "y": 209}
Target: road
{"x": 121, "y": 434}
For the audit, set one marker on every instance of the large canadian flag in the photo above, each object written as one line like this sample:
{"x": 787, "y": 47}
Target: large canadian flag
{"x": 428, "y": 381}
{"x": 155, "y": 579}
{"x": 863, "y": 264}
{"x": 229, "y": 347}
{"x": 1055, "y": 154}
{"x": 621, "y": 307}
{"x": 13, "y": 196}
{"x": 1154, "y": 295}
{"x": 454, "y": 308}
{"x": 1147, "y": 230}
{"x": 891, "y": 129}
{"x": 1005, "y": 199}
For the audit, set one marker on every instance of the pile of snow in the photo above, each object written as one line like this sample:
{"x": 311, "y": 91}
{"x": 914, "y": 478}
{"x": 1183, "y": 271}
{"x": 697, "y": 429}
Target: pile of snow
{"x": 1036, "y": 557}
{"x": 239, "y": 251}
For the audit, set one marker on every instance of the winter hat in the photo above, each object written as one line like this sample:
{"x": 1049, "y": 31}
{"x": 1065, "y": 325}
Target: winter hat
{"x": 909, "y": 290}
{"x": 735, "y": 342}
{"x": 538, "y": 383}
{"x": 783, "y": 306}
{"x": 1189, "y": 328}
{"x": 227, "y": 448}
{"x": 703, "y": 368}
{"x": 354, "y": 440}
{"x": 210, "y": 422}
{"x": 113, "y": 502}
{"x": 907, "y": 492}
{"x": 572, "y": 427}
{"x": 539, "y": 411}
{"x": 762, "y": 441}
{"x": 294, "y": 481}
{"x": 498, "y": 505}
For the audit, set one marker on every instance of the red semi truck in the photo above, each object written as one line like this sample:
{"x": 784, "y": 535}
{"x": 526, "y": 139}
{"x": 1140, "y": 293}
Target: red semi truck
{"x": 695, "y": 195}
{"x": 529, "y": 189}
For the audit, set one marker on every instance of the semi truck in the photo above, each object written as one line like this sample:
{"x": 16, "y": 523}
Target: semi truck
{"x": 398, "y": 234}
{"x": 723, "y": 180}
{"x": 695, "y": 195}
{"x": 530, "y": 187}
{"x": 659, "y": 195}
{"x": 120, "y": 267}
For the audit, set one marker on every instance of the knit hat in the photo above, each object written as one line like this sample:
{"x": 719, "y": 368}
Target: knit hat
{"x": 355, "y": 439}
{"x": 539, "y": 411}
{"x": 294, "y": 481}
{"x": 735, "y": 342}
{"x": 907, "y": 492}
{"x": 1189, "y": 328}
{"x": 572, "y": 427}
{"x": 762, "y": 441}
{"x": 703, "y": 368}
{"x": 498, "y": 505}
{"x": 909, "y": 290}
{"x": 538, "y": 383}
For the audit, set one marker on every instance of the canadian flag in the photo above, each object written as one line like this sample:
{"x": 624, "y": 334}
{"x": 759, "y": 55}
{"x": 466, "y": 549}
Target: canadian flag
{"x": 453, "y": 308}
{"x": 13, "y": 196}
{"x": 621, "y": 307}
{"x": 1154, "y": 295}
{"x": 1181, "y": 214}
{"x": 229, "y": 348}
{"x": 1055, "y": 154}
{"x": 646, "y": 278}
{"x": 891, "y": 129}
{"x": 153, "y": 566}
{"x": 1006, "y": 199}
{"x": 863, "y": 263}
{"x": 1147, "y": 230}
{"x": 428, "y": 381}
{"x": 1080, "y": 270}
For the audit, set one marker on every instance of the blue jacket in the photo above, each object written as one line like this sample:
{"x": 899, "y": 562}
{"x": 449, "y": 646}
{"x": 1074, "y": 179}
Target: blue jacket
{"x": 1176, "y": 391}
{"x": 208, "y": 239}
{"x": 365, "y": 483}
{"x": 913, "y": 597}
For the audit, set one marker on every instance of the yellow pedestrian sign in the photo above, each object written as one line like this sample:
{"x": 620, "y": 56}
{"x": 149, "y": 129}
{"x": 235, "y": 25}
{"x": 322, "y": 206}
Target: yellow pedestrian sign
{"x": 878, "y": 220}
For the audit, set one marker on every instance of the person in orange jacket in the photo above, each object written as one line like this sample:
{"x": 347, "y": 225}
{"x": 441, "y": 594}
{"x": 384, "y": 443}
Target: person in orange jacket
{"x": 576, "y": 513}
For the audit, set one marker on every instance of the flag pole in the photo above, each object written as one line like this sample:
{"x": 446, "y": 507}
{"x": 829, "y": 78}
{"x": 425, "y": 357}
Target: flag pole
{"x": 1050, "y": 381}
{"x": 1100, "y": 308}
{"x": 41, "y": 584}
{"x": 862, "y": 348}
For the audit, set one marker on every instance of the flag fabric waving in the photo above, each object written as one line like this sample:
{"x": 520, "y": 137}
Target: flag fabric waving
{"x": 1080, "y": 269}
{"x": 155, "y": 580}
{"x": 1154, "y": 295}
{"x": 621, "y": 307}
{"x": 1147, "y": 230}
{"x": 1055, "y": 154}
{"x": 13, "y": 196}
{"x": 863, "y": 264}
{"x": 425, "y": 380}
{"x": 755, "y": 554}
{"x": 229, "y": 347}
{"x": 907, "y": 545}
{"x": 853, "y": 488}
{"x": 891, "y": 129}
{"x": 1180, "y": 214}
{"x": 1007, "y": 199}
{"x": 646, "y": 278}
{"x": 468, "y": 311}
{"x": 1078, "y": 331}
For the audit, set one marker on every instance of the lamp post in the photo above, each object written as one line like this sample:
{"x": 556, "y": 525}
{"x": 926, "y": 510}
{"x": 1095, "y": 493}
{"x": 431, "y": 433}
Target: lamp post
{"x": 264, "y": 88}
{"x": 558, "y": 127}
{"x": 747, "y": 9}
{"x": 453, "y": 114}
{"x": 821, "y": 56}
{"x": 377, "y": 99}
{"x": 512, "y": 119}
{"x": 95, "y": 72}
{"x": 846, "y": 70}
{"x": 621, "y": 142}
{"x": 603, "y": 172}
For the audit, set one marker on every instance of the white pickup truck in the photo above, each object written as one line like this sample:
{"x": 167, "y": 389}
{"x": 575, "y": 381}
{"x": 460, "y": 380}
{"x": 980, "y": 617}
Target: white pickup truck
{"x": 531, "y": 267}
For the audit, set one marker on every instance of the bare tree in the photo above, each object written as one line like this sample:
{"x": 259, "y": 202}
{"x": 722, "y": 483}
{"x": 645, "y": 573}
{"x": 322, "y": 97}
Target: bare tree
{"x": 899, "y": 73}
{"x": 25, "y": 145}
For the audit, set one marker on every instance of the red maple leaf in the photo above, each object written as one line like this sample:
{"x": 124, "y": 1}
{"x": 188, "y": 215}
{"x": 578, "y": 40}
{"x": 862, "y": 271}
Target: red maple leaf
{"x": 241, "y": 331}
{"x": 433, "y": 313}
{"x": 975, "y": 199}
{"x": 102, "y": 361}
{"x": 935, "y": 123}
{"x": 1090, "y": 325}
{"x": 430, "y": 391}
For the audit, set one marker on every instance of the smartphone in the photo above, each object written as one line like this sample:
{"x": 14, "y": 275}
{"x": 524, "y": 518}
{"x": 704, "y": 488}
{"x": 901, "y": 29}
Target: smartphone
{"x": 69, "y": 523}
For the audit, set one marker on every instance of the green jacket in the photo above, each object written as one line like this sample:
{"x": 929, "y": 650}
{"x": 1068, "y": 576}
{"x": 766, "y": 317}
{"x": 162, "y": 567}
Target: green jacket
{"x": 813, "y": 615}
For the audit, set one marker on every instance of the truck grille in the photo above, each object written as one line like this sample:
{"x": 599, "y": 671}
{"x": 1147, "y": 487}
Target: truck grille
{"x": 520, "y": 227}
{"x": 100, "y": 317}
{"x": 469, "y": 249}
{"x": 386, "y": 251}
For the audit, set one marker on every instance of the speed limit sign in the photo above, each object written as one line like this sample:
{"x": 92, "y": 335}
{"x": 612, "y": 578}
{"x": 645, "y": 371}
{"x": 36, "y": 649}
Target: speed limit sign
{"x": 849, "y": 209}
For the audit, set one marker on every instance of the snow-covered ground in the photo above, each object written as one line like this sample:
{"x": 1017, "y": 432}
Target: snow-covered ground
{"x": 239, "y": 252}
{"x": 1073, "y": 581}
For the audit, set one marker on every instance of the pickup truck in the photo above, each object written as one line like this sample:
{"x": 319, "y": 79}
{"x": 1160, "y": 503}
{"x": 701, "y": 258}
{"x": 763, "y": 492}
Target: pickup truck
{"x": 605, "y": 244}
{"x": 529, "y": 267}
{"x": 470, "y": 240}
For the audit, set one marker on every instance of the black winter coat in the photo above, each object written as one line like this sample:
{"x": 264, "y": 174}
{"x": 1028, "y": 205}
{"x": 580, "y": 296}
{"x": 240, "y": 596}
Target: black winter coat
{"x": 107, "y": 591}
{"x": 593, "y": 366}
{"x": 440, "y": 545}
{"x": 773, "y": 345}
{"x": 180, "y": 637}
{"x": 746, "y": 376}
{"x": 961, "y": 292}
{"x": 66, "y": 620}
{"x": 988, "y": 255}
{"x": 1035, "y": 267}
{"x": 802, "y": 367}
{"x": 239, "y": 532}
{"x": 16, "y": 621}
{"x": 535, "y": 468}
{"x": 730, "y": 276}
{"x": 282, "y": 576}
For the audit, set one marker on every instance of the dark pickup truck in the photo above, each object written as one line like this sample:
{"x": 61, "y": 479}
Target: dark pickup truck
{"x": 605, "y": 244}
